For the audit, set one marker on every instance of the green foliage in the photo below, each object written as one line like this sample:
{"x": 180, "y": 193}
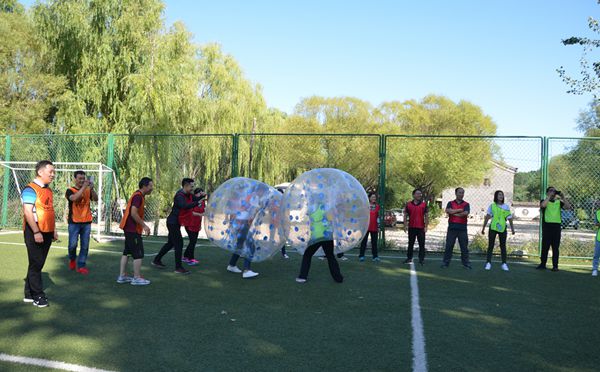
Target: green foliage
{"x": 527, "y": 186}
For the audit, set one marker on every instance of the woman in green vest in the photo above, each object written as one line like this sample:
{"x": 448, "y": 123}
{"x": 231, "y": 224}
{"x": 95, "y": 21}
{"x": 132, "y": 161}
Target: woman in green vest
{"x": 499, "y": 213}
{"x": 597, "y": 240}
{"x": 550, "y": 209}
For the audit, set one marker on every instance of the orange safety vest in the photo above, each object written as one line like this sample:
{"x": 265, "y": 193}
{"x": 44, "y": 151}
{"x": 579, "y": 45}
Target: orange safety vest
{"x": 80, "y": 209}
{"x": 138, "y": 227}
{"x": 44, "y": 208}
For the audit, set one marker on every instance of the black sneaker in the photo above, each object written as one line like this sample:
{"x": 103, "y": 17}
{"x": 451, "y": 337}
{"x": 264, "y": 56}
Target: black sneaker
{"x": 444, "y": 266}
{"x": 182, "y": 271}
{"x": 408, "y": 260}
{"x": 541, "y": 267}
{"x": 555, "y": 269}
{"x": 467, "y": 266}
{"x": 158, "y": 264}
{"x": 40, "y": 302}
{"x": 421, "y": 263}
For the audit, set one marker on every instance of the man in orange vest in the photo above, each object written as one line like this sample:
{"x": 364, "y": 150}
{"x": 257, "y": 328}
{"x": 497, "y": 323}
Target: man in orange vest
{"x": 133, "y": 225}
{"x": 38, "y": 230}
{"x": 79, "y": 198}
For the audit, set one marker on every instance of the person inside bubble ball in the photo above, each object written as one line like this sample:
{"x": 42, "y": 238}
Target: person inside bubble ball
{"x": 241, "y": 221}
{"x": 321, "y": 237}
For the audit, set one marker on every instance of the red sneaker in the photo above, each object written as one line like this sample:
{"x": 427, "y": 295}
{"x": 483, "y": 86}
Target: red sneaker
{"x": 72, "y": 265}
{"x": 83, "y": 270}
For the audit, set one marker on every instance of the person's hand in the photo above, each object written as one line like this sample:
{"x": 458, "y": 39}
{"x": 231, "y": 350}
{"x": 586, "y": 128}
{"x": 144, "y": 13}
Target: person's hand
{"x": 483, "y": 231}
{"x": 146, "y": 230}
{"x": 513, "y": 231}
{"x": 38, "y": 237}
{"x": 55, "y": 237}
{"x": 86, "y": 183}
{"x": 425, "y": 228}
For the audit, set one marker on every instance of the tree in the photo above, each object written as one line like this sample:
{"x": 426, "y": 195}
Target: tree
{"x": 589, "y": 82}
{"x": 29, "y": 96}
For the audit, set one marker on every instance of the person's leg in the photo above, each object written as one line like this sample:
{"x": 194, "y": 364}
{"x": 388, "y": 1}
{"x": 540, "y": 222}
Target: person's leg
{"x": 374, "y": 244}
{"x": 421, "y": 240}
{"x": 73, "y": 237}
{"x": 247, "y": 264}
{"x": 503, "y": 245}
{"x": 85, "y": 231}
{"x": 137, "y": 268}
{"x": 165, "y": 248}
{"x": 463, "y": 241}
{"x": 283, "y": 252}
{"x": 177, "y": 244}
{"x": 138, "y": 255}
{"x": 334, "y": 267}
{"x": 546, "y": 239}
{"x": 123, "y": 265}
{"x": 363, "y": 245}
{"x": 37, "y": 254}
{"x": 450, "y": 241}
{"x": 191, "y": 247}
{"x": 412, "y": 236}
{"x": 596, "y": 255}
{"x": 491, "y": 242}
{"x": 306, "y": 260}
{"x": 555, "y": 247}
{"x": 234, "y": 259}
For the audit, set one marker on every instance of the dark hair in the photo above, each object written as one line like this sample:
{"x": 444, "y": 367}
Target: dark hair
{"x": 281, "y": 190}
{"x": 40, "y": 165}
{"x": 415, "y": 190}
{"x": 550, "y": 187}
{"x": 458, "y": 188}
{"x": 198, "y": 190}
{"x": 186, "y": 181}
{"x": 145, "y": 182}
{"x": 496, "y": 196}
{"x": 77, "y": 173}
{"x": 371, "y": 194}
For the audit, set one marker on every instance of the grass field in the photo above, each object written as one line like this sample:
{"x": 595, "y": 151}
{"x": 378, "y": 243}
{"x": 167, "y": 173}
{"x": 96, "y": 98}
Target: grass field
{"x": 213, "y": 320}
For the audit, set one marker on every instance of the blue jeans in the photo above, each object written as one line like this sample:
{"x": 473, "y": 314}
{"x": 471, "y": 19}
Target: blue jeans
{"x": 596, "y": 256}
{"x": 77, "y": 230}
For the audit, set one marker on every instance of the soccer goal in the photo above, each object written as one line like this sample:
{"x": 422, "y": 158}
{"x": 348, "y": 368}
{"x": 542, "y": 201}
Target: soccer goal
{"x": 105, "y": 210}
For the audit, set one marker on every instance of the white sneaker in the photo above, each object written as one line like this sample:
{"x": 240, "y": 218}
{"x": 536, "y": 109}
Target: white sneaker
{"x": 344, "y": 258}
{"x": 122, "y": 279}
{"x": 140, "y": 281}
{"x": 595, "y": 273}
{"x": 300, "y": 280}
{"x": 504, "y": 267}
{"x": 233, "y": 269}
{"x": 249, "y": 274}
{"x": 286, "y": 256}
{"x": 488, "y": 266}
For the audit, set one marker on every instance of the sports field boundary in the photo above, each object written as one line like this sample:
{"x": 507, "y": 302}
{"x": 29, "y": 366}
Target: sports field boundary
{"x": 48, "y": 363}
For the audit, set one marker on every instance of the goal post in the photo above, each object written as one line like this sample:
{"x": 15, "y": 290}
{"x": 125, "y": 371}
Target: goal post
{"x": 20, "y": 173}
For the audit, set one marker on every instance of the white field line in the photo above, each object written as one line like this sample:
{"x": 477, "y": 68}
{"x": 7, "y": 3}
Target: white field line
{"x": 48, "y": 363}
{"x": 418, "y": 339}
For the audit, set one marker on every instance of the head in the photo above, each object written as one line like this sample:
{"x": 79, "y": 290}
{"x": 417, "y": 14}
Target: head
{"x": 417, "y": 194}
{"x": 372, "y": 198}
{"x": 198, "y": 192}
{"x": 499, "y": 197}
{"x": 460, "y": 193}
{"x": 187, "y": 184}
{"x": 146, "y": 185}
{"x": 44, "y": 171}
{"x": 79, "y": 178}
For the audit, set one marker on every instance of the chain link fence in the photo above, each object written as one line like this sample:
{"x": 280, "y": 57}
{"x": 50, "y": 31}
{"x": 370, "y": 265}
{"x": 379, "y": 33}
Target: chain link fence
{"x": 573, "y": 168}
{"x": 392, "y": 166}
{"x": 480, "y": 165}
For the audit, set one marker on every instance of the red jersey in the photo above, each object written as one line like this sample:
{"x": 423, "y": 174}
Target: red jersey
{"x": 374, "y": 216}
{"x": 416, "y": 214}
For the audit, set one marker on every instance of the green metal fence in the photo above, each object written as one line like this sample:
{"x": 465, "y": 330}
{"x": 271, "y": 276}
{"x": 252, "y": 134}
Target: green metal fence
{"x": 390, "y": 165}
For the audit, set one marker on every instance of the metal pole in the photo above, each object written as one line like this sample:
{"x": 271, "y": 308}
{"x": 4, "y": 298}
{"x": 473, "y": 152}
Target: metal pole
{"x": 6, "y": 188}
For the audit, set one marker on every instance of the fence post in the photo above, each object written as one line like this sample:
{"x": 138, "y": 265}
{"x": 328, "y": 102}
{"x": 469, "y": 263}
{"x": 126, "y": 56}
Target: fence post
{"x": 6, "y": 188}
{"x": 544, "y": 185}
{"x": 234, "y": 156}
{"x": 382, "y": 173}
{"x": 110, "y": 160}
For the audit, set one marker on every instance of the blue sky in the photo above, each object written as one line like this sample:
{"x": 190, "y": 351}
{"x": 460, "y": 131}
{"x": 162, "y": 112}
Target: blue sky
{"x": 500, "y": 55}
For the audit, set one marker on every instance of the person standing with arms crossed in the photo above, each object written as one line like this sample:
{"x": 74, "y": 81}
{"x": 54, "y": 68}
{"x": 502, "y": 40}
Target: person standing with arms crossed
{"x": 133, "y": 225}
{"x": 38, "y": 230}
{"x": 458, "y": 212}
{"x": 79, "y": 198}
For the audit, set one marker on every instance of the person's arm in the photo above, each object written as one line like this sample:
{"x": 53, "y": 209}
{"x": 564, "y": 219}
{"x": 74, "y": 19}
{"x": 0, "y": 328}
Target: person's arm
{"x": 136, "y": 217}
{"x": 426, "y": 219}
{"x": 198, "y": 214}
{"x": 465, "y": 212}
{"x": 77, "y": 195}
{"x": 486, "y": 219}
{"x": 30, "y": 219}
{"x": 512, "y": 228}
{"x": 565, "y": 204}
{"x": 181, "y": 204}
{"x": 93, "y": 194}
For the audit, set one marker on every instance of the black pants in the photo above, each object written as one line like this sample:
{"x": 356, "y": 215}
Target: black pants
{"x": 463, "y": 241}
{"x": 363, "y": 244}
{"x": 193, "y": 237}
{"x": 550, "y": 238}
{"x": 415, "y": 233}
{"x": 37, "y": 254}
{"x": 334, "y": 267}
{"x": 492, "y": 240}
{"x": 175, "y": 241}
